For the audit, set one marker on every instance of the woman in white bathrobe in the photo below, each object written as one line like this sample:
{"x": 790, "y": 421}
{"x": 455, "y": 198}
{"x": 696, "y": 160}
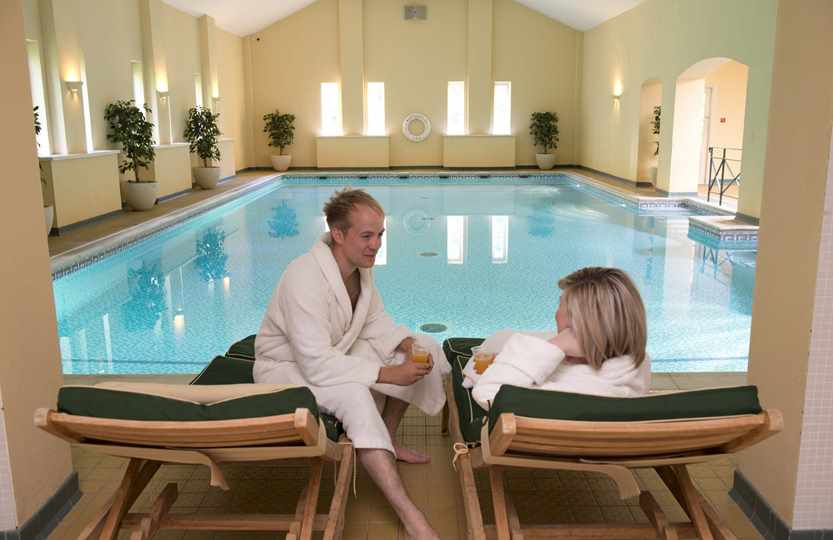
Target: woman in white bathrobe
{"x": 599, "y": 347}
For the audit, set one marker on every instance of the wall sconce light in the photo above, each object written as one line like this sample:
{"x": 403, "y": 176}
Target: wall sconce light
{"x": 74, "y": 87}
{"x": 163, "y": 96}
{"x": 216, "y": 98}
{"x": 617, "y": 89}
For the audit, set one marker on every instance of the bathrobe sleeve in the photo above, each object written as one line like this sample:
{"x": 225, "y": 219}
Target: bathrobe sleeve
{"x": 524, "y": 361}
{"x": 380, "y": 331}
{"x": 304, "y": 306}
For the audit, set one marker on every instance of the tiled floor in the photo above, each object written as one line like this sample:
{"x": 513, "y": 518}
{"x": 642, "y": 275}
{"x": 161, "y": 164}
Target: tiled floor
{"x": 540, "y": 497}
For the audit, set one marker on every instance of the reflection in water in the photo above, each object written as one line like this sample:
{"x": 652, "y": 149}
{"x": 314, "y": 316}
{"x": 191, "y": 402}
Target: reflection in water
{"x": 284, "y": 221}
{"x": 211, "y": 254}
{"x": 541, "y": 222}
{"x": 147, "y": 297}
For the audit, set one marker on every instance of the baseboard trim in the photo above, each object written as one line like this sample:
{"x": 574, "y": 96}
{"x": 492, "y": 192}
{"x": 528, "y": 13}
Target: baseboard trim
{"x": 764, "y": 518}
{"x": 44, "y": 521}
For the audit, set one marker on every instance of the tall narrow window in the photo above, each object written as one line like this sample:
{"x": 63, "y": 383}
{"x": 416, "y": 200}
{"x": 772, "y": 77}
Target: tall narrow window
{"x": 500, "y": 239}
{"x": 456, "y": 109}
{"x": 138, "y": 84}
{"x": 502, "y": 111}
{"x": 38, "y": 95}
{"x": 456, "y": 239}
{"x": 330, "y": 109}
{"x": 198, "y": 89}
{"x": 376, "y": 108}
{"x": 88, "y": 122}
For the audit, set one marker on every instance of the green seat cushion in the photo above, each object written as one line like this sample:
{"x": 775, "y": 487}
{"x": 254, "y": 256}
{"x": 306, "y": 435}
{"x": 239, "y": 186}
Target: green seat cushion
{"x": 123, "y": 405}
{"x": 550, "y": 404}
{"x": 471, "y": 415}
{"x": 237, "y": 370}
{"x": 243, "y": 349}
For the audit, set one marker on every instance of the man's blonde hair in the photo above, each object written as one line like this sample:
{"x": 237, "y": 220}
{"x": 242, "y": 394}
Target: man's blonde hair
{"x": 338, "y": 208}
{"x": 607, "y": 314}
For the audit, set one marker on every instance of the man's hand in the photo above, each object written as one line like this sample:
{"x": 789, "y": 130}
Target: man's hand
{"x": 405, "y": 374}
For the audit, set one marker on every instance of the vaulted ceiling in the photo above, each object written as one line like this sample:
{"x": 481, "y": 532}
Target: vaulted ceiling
{"x": 244, "y": 17}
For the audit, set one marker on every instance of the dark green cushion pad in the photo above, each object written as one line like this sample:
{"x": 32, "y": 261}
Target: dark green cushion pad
{"x": 555, "y": 405}
{"x": 236, "y": 368}
{"x": 118, "y": 404}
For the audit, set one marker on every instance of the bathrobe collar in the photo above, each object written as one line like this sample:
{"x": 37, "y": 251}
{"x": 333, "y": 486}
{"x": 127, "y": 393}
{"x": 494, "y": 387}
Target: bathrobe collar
{"x": 323, "y": 255}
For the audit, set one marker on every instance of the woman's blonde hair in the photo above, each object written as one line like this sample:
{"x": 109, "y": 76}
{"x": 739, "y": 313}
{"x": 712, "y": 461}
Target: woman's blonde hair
{"x": 607, "y": 314}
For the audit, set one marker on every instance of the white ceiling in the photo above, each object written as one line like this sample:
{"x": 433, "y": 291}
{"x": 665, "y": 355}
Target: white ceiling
{"x": 244, "y": 17}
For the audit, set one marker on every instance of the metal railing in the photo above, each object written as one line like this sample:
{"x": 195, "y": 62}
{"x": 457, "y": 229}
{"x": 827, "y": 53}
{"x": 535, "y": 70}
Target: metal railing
{"x": 722, "y": 175}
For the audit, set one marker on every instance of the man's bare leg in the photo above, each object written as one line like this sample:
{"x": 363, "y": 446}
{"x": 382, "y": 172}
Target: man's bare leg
{"x": 382, "y": 469}
{"x": 392, "y": 415}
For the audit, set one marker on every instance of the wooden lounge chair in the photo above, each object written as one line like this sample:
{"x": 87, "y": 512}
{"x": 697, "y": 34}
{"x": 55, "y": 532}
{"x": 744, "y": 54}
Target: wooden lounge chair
{"x": 542, "y": 429}
{"x": 150, "y": 429}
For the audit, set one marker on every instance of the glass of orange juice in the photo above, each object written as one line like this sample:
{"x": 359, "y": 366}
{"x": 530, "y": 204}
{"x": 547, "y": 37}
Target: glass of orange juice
{"x": 419, "y": 353}
{"x": 482, "y": 360}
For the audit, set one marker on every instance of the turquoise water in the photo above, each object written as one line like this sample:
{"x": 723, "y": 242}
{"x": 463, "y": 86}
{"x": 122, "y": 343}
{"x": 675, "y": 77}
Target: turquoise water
{"x": 474, "y": 258}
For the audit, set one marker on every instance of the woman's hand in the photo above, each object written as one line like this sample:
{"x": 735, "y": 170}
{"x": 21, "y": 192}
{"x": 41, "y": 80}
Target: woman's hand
{"x": 566, "y": 341}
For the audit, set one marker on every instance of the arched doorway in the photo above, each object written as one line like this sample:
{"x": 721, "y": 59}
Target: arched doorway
{"x": 650, "y": 102}
{"x": 709, "y": 109}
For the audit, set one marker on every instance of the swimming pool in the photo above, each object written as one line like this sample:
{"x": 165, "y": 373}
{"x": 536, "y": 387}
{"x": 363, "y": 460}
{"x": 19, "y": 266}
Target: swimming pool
{"x": 468, "y": 259}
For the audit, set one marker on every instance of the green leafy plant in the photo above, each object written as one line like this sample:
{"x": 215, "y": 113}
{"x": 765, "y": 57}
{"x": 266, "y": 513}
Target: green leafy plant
{"x": 281, "y": 129}
{"x": 655, "y": 125}
{"x": 38, "y": 129}
{"x": 544, "y": 130}
{"x": 128, "y": 126}
{"x": 201, "y": 132}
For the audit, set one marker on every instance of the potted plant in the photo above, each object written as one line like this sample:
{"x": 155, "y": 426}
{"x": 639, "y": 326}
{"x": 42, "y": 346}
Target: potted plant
{"x": 281, "y": 130}
{"x": 201, "y": 132}
{"x": 655, "y": 125}
{"x": 128, "y": 126}
{"x": 48, "y": 209}
{"x": 544, "y": 131}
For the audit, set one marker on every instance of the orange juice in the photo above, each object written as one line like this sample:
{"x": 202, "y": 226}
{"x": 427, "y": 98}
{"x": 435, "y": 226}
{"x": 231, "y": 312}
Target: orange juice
{"x": 483, "y": 360}
{"x": 419, "y": 354}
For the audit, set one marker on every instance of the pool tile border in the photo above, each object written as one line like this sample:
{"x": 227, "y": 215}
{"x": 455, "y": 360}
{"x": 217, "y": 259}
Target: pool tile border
{"x": 92, "y": 252}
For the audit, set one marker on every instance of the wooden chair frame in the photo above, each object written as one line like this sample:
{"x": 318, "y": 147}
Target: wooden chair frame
{"x": 149, "y": 444}
{"x": 616, "y": 449}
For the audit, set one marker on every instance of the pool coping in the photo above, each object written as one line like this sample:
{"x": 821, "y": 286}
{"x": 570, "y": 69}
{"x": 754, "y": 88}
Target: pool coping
{"x": 86, "y": 254}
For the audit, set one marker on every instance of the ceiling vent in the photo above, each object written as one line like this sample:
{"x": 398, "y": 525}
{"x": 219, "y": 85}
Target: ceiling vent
{"x": 419, "y": 13}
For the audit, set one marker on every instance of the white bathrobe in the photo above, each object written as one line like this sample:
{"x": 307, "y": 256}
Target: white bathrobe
{"x": 531, "y": 361}
{"x": 311, "y": 336}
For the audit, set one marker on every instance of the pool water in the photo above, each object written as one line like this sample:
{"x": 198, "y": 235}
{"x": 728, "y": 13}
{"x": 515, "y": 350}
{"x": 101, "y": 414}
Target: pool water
{"x": 466, "y": 260}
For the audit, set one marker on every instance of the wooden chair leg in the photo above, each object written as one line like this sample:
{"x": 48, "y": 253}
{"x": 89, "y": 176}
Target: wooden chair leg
{"x": 136, "y": 477}
{"x": 719, "y": 530}
{"x": 444, "y": 426}
{"x": 656, "y": 516}
{"x": 679, "y": 482}
{"x": 295, "y": 527}
{"x": 499, "y": 503}
{"x": 338, "y": 506}
{"x": 311, "y": 505}
{"x": 149, "y": 525}
{"x": 514, "y": 522}
{"x": 471, "y": 503}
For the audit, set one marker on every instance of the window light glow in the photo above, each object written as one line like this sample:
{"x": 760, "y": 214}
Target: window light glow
{"x": 456, "y": 239}
{"x": 502, "y": 111}
{"x": 500, "y": 239}
{"x": 376, "y": 108}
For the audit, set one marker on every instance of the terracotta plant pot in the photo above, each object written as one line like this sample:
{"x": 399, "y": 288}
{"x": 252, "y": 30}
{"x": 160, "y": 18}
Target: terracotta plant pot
{"x": 281, "y": 163}
{"x": 545, "y": 161}
{"x": 142, "y": 195}
{"x": 207, "y": 177}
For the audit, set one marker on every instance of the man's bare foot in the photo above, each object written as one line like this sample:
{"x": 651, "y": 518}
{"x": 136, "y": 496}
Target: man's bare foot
{"x": 410, "y": 456}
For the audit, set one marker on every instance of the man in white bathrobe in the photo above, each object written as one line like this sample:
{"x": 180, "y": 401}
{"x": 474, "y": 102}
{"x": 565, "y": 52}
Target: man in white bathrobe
{"x": 326, "y": 328}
